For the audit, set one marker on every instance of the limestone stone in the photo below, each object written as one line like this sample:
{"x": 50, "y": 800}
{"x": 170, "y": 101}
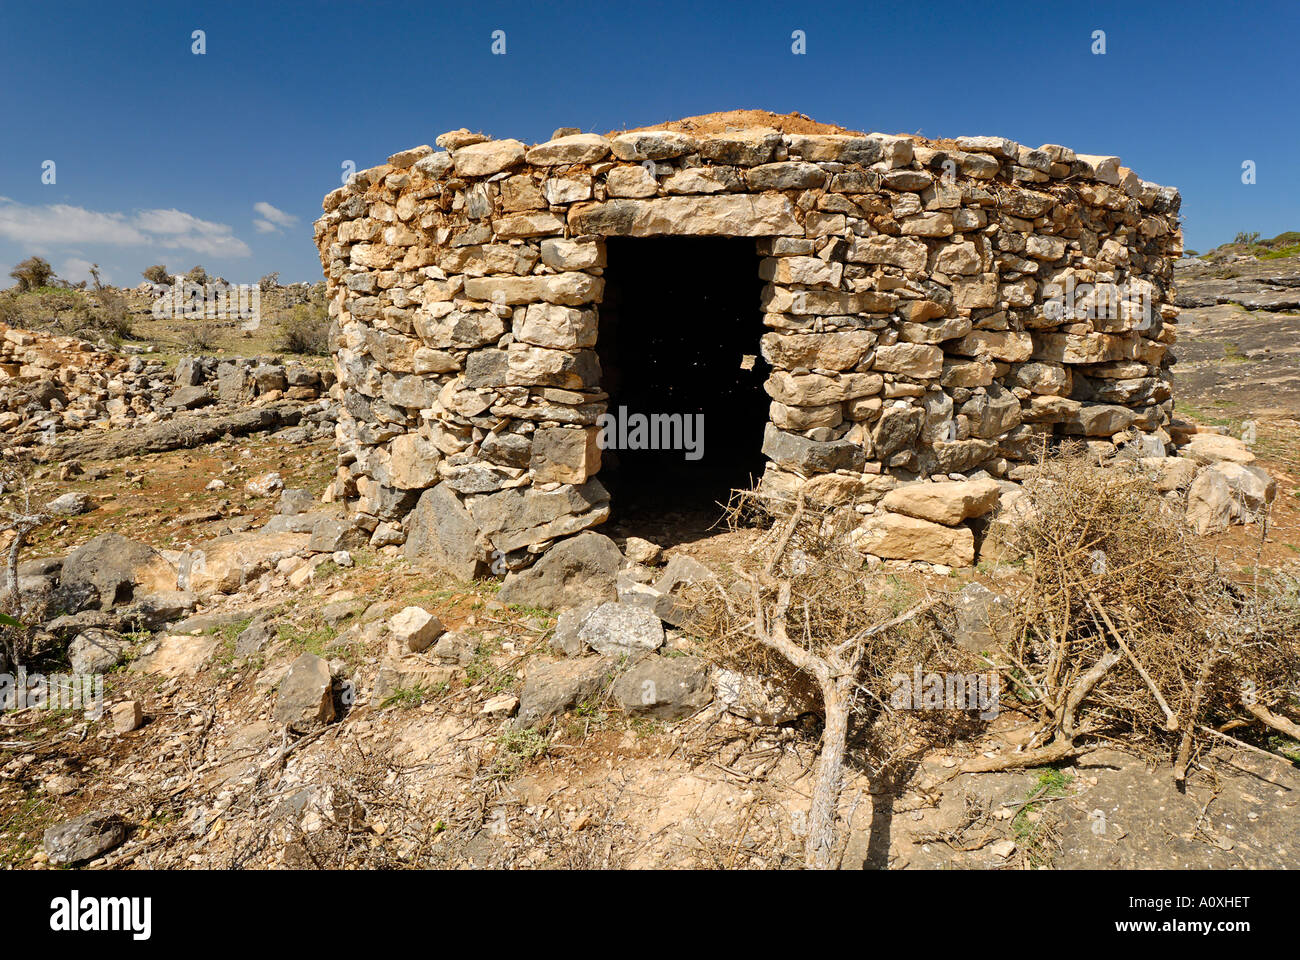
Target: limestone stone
{"x": 304, "y": 698}
{"x": 415, "y": 628}
{"x": 899, "y": 537}
{"x": 948, "y": 502}
{"x": 1215, "y": 447}
{"x": 618, "y": 629}
{"x": 486, "y": 158}
{"x": 723, "y": 216}
{"x": 441, "y": 530}
{"x": 565, "y": 454}
{"x": 922, "y": 361}
{"x": 652, "y": 145}
{"x": 575, "y": 148}
{"x": 664, "y": 688}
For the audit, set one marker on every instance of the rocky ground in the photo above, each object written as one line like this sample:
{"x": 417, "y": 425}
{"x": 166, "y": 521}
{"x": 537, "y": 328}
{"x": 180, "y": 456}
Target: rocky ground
{"x": 283, "y": 690}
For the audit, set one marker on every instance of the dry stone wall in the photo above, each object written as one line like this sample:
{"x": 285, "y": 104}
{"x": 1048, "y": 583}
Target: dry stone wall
{"x": 932, "y": 310}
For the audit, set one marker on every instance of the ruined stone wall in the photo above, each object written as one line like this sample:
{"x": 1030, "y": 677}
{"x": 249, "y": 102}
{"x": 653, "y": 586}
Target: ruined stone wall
{"x": 932, "y": 308}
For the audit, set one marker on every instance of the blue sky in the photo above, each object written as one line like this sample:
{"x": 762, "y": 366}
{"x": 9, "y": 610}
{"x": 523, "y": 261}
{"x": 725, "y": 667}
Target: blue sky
{"x": 165, "y": 156}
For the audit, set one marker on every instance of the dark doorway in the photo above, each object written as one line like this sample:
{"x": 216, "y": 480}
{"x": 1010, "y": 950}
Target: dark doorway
{"x": 678, "y": 320}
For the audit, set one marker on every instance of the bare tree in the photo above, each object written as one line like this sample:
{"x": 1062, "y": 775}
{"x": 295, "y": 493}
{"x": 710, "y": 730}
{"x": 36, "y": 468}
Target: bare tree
{"x": 19, "y": 518}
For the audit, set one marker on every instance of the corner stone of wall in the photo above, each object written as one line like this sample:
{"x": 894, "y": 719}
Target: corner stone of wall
{"x": 934, "y": 309}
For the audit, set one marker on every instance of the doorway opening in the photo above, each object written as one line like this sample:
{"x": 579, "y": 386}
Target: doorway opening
{"x": 678, "y": 345}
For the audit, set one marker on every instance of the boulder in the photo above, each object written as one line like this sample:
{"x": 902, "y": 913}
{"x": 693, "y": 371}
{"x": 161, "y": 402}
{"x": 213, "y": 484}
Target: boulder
{"x": 575, "y": 570}
{"x": 1214, "y": 447}
{"x": 190, "y": 398}
{"x": 126, "y": 716}
{"x": 552, "y": 688}
{"x": 260, "y": 631}
{"x": 223, "y": 565}
{"x": 641, "y": 551}
{"x": 1098, "y": 420}
{"x": 807, "y": 457}
{"x": 664, "y": 688}
{"x": 96, "y": 651}
{"x": 1209, "y": 503}
{"x": 112, "y": 568}
{"x": 1251, "y": 486}
{"x": 70, "y": 504}
{"x": 1168, "y": 473}
{"x": 415, "y": 628}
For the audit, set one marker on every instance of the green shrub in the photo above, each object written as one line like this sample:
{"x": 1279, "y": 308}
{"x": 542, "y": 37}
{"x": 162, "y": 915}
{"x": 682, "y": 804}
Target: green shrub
{"x": 32, "y": 274}
{"x": 305, "y": 329}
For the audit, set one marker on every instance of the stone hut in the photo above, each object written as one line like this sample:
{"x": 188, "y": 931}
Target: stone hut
{"x": 857, "y": 316}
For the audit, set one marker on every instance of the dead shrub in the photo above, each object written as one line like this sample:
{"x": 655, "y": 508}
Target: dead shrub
{"x": 805, "y": 612}
{"x": 1124, "y": 627}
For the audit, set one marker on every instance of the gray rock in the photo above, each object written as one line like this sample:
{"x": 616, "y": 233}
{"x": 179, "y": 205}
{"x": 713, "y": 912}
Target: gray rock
{"x": 811, "y": 456}
{"x": 1098, "y": 420}
{"x": 189, "y": 372}
{"x": 442, "y": 530}
{"x": 665, "y": 595}
{"x": 576, "y": 570}
{"x": 454, "y": 646}
{"x": 296, "y": 501}
{"x": 666, "y": 688}
{"x": 552, "y": 688}
{"x": 565, "y": 638}
{"x": 338, "y": 611}
{"x": 298, "y": 522}
{"x": 897, "y": 429}
{"x": 269, "y": 377}
{"x": 83, "y": 838}
{"x": 305, "y": 697}
{"x": 507, "y": 449}
{"x": 43, "y": 567}
{"x": 189, "y": 398}
{"x": 330, "y": 535}
{"x": 517, "y": 518}
{"x": 155, "y": 609}
{"x": 621, "y": 630}
{"x": 232, "y": 382}
{"x": 259, "y": 632}
{"x": 976, "y": 608}
{"x": 96, "y": 651}
{"x": 70, "y": 504}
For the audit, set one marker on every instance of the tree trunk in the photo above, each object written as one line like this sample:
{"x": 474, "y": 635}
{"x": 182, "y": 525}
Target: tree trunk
{"x": 820, "y": 845}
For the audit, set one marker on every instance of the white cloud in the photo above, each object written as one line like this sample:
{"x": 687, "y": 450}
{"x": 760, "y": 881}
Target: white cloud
{"x": 61, "y": 224}
{"x": 271, "y": 219}
{"x": 75, "y": 269}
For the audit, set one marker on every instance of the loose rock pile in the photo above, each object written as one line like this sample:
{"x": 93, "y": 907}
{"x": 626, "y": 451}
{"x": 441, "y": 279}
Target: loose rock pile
{"x": 52, "y": 385}
{"x": 912, "y": 301}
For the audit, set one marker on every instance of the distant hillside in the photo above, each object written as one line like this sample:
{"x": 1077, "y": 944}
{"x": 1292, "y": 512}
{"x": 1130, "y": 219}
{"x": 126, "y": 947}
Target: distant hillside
{"x": 1250, "y": 245}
